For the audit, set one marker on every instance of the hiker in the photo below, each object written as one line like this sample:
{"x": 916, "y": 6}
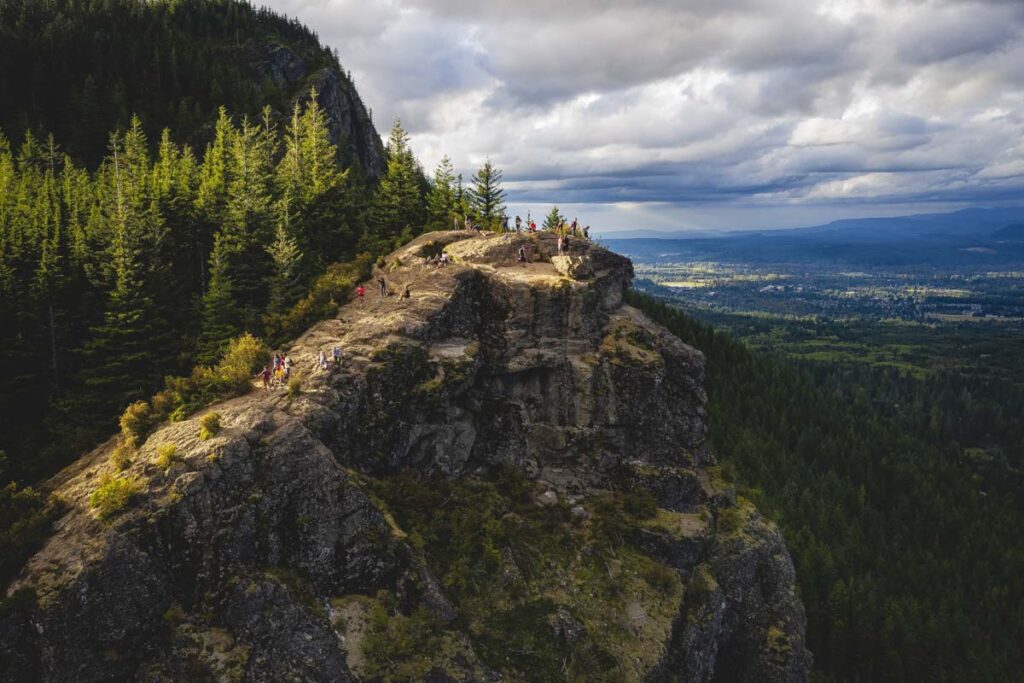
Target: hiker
{"x": 321, "y": 359}
{"x": 519, "y": 225}
{"x": 504, "y": 222}
{"x": 360, "y": 293}
{"x": 265, "y": 374}
{"x": 444, "y": 259}
{"x": 277, "y": 361}
{"x": 573, "y": 227}
{"x": 383, "y": 286}
{"x": 287, "y": 364}
{"x": 522, "y": 255}
{"x": 336, "y": 352}
{"x": 406, "y": 293}
{"x": 469, "y": 224}
{"x": 561, "y": 242}
{"x": 586, "y": 232}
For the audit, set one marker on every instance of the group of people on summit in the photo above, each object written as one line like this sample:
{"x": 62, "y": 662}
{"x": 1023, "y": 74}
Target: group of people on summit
{"x": 280, "y": 372}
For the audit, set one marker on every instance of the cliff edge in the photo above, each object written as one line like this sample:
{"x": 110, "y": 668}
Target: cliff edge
{"x": 506, "y": 478}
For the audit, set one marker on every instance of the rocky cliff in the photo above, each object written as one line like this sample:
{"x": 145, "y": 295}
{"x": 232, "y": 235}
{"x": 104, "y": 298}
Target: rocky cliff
{"x": 352, "y": 130}
{"x": 505, "y": 479}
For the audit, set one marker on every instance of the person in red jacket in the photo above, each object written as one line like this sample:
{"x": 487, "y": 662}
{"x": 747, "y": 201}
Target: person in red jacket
{"x": 360, "y": 293}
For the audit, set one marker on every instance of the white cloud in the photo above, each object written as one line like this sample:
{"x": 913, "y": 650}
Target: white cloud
{"x": 691, "y": 108}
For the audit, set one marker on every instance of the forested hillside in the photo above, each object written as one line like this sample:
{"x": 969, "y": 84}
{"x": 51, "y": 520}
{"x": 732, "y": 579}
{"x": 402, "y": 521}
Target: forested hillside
{"x": 909, "y": 568}
{"x": 81, "y": 68}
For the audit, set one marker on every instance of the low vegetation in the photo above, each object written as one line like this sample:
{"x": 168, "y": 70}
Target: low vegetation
{"x": 113, "y": 494}
{"x": 166, "y": 455}
{"x": 530, "y": 583}
{"x": 209, "y": 425}
{"x": 26, "y": 518}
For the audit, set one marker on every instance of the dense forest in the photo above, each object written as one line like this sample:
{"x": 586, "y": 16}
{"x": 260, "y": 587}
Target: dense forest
{"x": 80, "y": 68}
{"x": 910, "y": 565}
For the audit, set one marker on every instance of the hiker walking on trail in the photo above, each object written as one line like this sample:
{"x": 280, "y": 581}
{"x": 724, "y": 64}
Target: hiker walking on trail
{"x": 519, "y": 225}
{"x": 586, "y": 232}
{"x": 266, "y": 375}
{"x": 360, "y": 293}
{"x": 504, "y": 222}
{"x": 336, "y": 352}
{"x": 383, "y": 286}
{"x": 561, "y": 244}
{"x": 321, "y": 359}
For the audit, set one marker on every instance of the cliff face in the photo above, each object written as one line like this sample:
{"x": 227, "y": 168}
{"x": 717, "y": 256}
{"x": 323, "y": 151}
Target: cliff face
{"x": 367, "y": 529}
{"x": 352, "y": 130}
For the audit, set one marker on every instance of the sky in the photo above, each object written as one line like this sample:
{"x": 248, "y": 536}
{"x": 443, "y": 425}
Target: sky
{"x": 700, "y": 114}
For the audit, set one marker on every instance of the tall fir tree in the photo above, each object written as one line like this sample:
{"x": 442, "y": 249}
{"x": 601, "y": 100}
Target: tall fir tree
{"x": 487, "y": 198}
{"x": 398, "y": 207}
{"x": 285, "y": 285}
{"x": 442, "y": 207}
{"x": 221, "y": 319}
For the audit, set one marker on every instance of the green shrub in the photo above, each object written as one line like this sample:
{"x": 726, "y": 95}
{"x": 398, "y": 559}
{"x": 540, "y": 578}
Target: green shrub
{"x": 26, "y": 518}
{"x": 334, "y": 286}
{"x": 640, "y": 504}
{"x": 730, "y": 520}
{"x": 121, "y": 456}
{"x": 113, "y": 494}
{"x": 166, "y": 455}
{"x": 136, "y": 423}
{"x": 209, "y": 425}
{"x": 295, "y": 385}
{"x": 661, "y": 578}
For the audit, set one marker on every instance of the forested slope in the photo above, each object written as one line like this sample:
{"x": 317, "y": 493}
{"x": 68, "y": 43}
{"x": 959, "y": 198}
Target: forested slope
{"x": 907, "y": 568}
{"x": 81, "y": 68}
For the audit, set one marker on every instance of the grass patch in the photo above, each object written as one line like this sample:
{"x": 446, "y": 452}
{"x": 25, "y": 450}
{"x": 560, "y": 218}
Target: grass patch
{"x": 166, "y": 455}
{"x": 113, "y": 495}
{"x": 541, "y": 598}
{"x": 209, "y": 425}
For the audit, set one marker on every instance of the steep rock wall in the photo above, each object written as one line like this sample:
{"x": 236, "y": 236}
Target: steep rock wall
{"x": 238, "y": 561}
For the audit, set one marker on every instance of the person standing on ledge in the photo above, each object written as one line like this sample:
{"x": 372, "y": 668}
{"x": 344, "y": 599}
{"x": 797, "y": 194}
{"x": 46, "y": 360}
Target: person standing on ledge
{"x": 383, "y": 285}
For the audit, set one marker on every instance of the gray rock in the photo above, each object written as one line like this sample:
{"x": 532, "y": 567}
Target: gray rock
{"x": 223, "y": 571}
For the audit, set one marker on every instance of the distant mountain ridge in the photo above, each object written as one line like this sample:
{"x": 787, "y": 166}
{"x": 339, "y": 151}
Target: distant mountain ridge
{"x": 967, "y": 238}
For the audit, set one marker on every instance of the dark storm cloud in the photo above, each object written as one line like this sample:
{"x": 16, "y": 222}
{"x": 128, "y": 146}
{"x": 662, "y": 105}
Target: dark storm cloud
{"x": 792, "y": 102}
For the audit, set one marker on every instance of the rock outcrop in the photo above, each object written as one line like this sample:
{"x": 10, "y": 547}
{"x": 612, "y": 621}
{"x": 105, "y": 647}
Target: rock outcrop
{"x": 271, "y": 550}
{"x": 352, "y": 130}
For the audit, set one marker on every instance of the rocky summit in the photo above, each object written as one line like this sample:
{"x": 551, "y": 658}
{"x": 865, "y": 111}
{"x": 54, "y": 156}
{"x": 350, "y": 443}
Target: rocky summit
{"x": 505, "y": 478}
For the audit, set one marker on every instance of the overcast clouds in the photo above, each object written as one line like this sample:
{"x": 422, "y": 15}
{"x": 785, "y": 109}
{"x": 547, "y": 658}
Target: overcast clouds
{"x": 703, "y": 113}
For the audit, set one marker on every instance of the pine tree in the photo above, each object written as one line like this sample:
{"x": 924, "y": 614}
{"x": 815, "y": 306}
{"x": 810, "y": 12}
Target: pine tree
{"x": 487, "y": 198}
{"x": 221, "y": 318}
{"x": 398, "y": 205}
{"x": 441, "y": 202}
{"x": 285, "y": 287}
{"x": 124, "y": 353}
{"x": 554, "y": 219}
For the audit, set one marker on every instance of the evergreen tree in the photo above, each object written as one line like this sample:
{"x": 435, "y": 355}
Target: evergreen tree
{"x": 487, "y": 198}
{"x": 221, "y": 318}
{"x": 398, "y": 205}
{"x": 442, "y": 208}
{"x": 285, "y": 287}
{"x": 554, "y": 219}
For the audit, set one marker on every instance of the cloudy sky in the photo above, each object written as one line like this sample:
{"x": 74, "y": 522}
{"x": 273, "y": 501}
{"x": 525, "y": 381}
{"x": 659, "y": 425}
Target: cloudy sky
{"x": 690, "y": 114}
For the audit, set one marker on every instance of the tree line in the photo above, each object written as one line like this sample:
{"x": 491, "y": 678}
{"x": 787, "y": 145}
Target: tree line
{"x": 910, "y": 566}
{"x": 148, "y": 265}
